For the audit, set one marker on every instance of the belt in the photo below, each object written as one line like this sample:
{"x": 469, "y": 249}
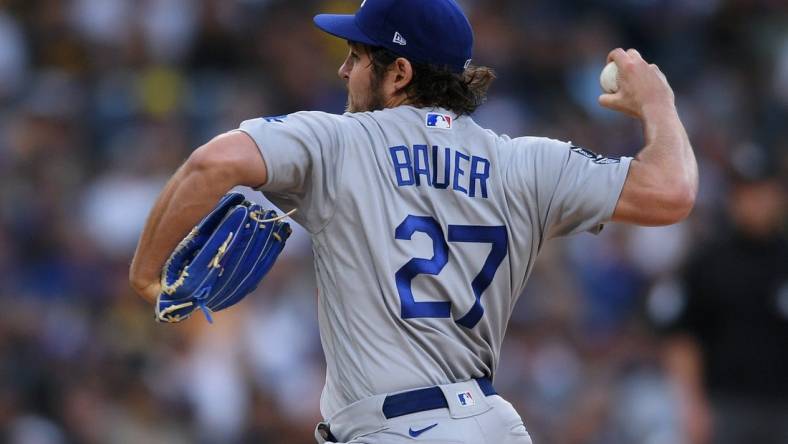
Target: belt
{"x": 425, "y": 399}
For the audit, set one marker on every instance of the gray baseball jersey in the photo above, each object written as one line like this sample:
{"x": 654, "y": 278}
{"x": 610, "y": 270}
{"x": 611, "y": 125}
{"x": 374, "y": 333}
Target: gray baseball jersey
{"x": 425, "y": 228}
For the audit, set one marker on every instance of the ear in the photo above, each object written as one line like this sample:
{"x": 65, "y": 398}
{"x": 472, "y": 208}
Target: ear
{"x": 401, "y": 74}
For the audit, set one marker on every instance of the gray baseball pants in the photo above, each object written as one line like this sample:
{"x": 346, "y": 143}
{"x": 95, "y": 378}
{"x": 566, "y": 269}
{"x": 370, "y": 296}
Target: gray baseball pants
{"x": 471, "y": 417}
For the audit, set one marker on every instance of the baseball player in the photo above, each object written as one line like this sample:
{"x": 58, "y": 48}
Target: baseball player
{"x": 425, "y": 226}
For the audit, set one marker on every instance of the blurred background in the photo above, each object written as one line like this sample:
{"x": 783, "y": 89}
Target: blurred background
{"x": 661, "y": 335}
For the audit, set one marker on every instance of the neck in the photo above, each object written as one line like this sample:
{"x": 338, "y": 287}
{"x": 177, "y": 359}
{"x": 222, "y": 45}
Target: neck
{"x": 397, "y": 100}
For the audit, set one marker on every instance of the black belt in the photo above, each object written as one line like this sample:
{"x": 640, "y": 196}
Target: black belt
{"x": 425, "y": 399}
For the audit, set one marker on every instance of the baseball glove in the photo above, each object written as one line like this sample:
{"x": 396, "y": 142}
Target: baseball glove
{"x": 222, "y": 260}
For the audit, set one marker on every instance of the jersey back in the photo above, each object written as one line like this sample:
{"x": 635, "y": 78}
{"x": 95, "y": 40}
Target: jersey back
{"x": 425, "y": 228}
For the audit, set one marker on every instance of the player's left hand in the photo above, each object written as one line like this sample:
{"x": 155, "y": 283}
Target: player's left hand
{"x": 222, "y": 260}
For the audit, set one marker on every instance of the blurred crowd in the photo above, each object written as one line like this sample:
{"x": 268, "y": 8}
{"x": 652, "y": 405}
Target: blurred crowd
{"x": 638, "y": 335}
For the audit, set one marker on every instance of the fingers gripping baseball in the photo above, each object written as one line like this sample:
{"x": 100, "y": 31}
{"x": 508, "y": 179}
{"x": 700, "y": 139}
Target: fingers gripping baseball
{"x": 640, "y": 85}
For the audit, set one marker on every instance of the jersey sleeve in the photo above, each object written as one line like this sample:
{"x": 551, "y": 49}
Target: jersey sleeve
{"x": 303, "y": 157}
{"x": 575, "y": 189}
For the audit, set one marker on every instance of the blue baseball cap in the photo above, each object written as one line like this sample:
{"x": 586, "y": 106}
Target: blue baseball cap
{"x": 435, "y": 32}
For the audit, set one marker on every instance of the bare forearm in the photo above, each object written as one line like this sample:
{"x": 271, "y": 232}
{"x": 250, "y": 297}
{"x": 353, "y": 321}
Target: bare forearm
{"x": 668, "y": 148}
{"x": 663, "y": 179}
{"x": 212, "y": 170}
{"x": 189, "y": 195}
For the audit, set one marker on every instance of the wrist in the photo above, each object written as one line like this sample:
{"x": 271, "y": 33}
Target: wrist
{"x": 659, "y": 110}
{"x": 147, "y": 290}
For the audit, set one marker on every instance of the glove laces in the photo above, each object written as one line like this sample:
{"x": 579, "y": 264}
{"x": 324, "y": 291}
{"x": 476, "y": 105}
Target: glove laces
{"x": 202, "y": 298}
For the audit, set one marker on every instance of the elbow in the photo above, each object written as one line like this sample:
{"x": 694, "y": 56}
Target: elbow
{"x": 653, "y": 198}
{"x": 679, "y": 202}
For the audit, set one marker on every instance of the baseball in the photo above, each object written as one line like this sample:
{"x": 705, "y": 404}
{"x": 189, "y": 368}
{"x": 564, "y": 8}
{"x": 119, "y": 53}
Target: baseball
{"x": 609, "y": 78}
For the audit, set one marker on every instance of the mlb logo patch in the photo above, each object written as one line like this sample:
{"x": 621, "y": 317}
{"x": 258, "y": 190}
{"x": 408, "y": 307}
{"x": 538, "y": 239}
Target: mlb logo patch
{"x": 466, "y": 400}
{"x": 440, "y": 121}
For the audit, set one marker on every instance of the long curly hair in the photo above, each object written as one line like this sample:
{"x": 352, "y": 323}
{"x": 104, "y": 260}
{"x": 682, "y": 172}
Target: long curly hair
{"x": 437, "y": 86}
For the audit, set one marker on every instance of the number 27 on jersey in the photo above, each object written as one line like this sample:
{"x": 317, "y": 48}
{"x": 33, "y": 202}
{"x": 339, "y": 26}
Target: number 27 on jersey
{"x": 493, "y": 235}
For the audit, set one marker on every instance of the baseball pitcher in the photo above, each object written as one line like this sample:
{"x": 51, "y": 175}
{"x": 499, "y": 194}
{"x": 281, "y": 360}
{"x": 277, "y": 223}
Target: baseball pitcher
{"x": 425, "y": 226}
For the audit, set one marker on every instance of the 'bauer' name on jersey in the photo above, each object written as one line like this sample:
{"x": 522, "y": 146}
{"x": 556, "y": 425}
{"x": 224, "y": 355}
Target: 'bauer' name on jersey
{"x": 441, "y": 168}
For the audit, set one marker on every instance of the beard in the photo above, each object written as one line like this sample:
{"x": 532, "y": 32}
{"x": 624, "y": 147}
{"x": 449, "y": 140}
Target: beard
{"x": 370, "y": 100}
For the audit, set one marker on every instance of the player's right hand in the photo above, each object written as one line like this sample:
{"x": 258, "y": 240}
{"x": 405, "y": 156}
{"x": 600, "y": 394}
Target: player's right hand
{"x": 642, "y": 87}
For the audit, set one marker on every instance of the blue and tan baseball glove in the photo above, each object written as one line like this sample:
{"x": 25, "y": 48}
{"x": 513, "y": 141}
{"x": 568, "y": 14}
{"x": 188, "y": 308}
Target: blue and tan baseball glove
{"x": 222, "y": 260}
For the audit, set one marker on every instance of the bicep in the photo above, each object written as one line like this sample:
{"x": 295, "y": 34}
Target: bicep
{"x": 232, "y": 157}
{"x": 251, "y": 166}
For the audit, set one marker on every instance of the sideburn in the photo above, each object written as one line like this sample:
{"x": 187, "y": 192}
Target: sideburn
{"x": 376, "y": 101}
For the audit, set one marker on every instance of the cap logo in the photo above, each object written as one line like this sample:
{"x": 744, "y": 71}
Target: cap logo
{"x": 467, "y": 64}
{"x": 398, "y": 39}
{"x": 363, "y": 3}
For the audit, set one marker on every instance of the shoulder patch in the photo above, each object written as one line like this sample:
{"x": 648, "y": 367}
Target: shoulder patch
{"x": 440, "y": 121}
{"x": 596, "y": 158}
{"x": 276, "y": 119}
